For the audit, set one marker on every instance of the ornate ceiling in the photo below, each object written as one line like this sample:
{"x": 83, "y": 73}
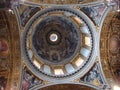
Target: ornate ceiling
{"x": 58, "y": 58}
{"x": 9, "y": 51}
{"x": 110, "y": 45}
{"x": 46, "y": 44}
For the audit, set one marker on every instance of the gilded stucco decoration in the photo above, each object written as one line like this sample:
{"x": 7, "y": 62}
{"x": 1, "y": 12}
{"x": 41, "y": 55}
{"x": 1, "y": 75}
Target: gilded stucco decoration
{"x": 110, "y": 46}
{"x": 9, "y": 52}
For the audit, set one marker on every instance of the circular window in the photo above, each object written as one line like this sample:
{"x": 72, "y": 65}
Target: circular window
{"x": 58, "y": 43}
{"x": 53, "y": 37}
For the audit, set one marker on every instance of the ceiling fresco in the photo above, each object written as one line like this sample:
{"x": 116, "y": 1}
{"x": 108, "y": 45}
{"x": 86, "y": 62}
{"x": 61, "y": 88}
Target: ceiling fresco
{"x": 59, "y": 44}
{"x": 4, "y": 49}
{"x": 9, "y": 56}
{"x": 52, "y": 32}
{"x": 94, "y": 77}
{"x": 111, "y": 45}
{"x": 4, "y": 53}
{"x": 29, "y": 80}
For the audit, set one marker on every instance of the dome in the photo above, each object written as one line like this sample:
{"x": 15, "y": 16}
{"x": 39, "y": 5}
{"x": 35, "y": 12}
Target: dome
{"x": 58, "y": 42}
{"x": 55, "y": 39}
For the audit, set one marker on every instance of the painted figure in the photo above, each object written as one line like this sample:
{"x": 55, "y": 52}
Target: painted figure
{"x": 3, "y": 82}
{"x": 4, "y": 49}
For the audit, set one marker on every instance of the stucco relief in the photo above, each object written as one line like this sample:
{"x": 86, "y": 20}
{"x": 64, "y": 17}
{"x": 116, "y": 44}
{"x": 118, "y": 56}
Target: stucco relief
{"x": 114, "y": 44}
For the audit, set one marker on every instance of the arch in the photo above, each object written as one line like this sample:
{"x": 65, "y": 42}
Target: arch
{"x": 109, "y": 45}
{"x": 68, "y": 84}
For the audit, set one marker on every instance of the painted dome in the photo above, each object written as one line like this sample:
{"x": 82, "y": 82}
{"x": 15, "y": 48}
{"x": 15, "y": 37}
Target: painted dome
{"x": 55, "y": 39}
{"x": 58, "y": 42}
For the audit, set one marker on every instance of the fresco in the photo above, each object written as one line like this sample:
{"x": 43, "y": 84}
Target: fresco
{"x": 3, "y": 82}
{"x": 27, "y": 14}
{"x": 29, "y": 80}
{"x": 94, "y": 12}
{"x": 117, "y": 73}
{"x": 4, "y": 52}
{"x": 4, "y": 49}
{"x": 65, "y": 45}
{"x": 94, "y": 76}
